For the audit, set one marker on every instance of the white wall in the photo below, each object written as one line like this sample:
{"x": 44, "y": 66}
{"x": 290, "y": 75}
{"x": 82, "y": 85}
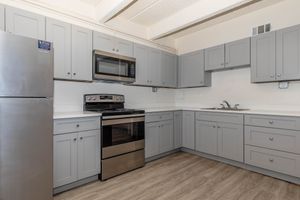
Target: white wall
{"x": 68, "y": 96}
{"x": 234, "y": 85}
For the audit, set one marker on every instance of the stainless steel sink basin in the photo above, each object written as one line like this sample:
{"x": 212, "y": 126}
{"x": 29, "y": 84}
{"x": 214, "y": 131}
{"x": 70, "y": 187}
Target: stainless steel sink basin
{"x": 227, "y": 109}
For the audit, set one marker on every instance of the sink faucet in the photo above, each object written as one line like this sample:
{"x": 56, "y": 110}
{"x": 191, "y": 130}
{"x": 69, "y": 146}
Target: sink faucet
{"x": 227, "y": 104}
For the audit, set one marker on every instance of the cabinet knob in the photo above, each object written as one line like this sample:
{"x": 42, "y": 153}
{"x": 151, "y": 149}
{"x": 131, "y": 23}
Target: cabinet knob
{"x": 75, "y": 139}
{"x": 117, "y": 50}
{"x": 272, "y": 76}
{"x": 81, "y": 138}
{"x": 271, "y": 139}
{"x": 218, "y": 127}
{"x": 214, "y": 126}
{"x": 271, "y": 160}
{"x": 69, "y": 73}
{"x": 278, "y": 75}
{"x": 271, "y": 122}
{"x": 113, "y": 49}
{"x": 77, "y": 125}
{"x": 74, "y": 73}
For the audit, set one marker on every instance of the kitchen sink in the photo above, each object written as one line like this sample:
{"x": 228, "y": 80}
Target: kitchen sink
{"x": 227, "y": 109}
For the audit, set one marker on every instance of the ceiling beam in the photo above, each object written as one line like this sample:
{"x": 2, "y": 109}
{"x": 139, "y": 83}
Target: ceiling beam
{"x": 194, "y": 14}
{"x": 108, "y": 9}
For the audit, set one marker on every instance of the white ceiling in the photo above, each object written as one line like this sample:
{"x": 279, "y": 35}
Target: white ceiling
{"x": 91, "y": 2}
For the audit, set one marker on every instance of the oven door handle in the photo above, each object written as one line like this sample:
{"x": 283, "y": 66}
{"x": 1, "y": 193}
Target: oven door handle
{"x": 109, "y": 122}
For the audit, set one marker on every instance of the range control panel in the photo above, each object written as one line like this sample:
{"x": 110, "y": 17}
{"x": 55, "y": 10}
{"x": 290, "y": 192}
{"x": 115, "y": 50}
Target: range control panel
{"x": 98, "y": 98}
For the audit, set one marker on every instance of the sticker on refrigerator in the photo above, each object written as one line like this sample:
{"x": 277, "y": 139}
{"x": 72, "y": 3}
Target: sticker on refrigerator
{"x": 44, "y": 45}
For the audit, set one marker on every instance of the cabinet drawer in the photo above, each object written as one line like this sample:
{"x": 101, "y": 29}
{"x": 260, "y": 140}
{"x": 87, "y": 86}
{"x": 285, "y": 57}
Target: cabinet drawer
{"x": 220, "y": 117}
{"x": 154, "y": 117}
{"x": 282, "y": 162}
{"x": 76, "y": 124}
{"x": 277, "y": 139}
{"x": 292, "y": 123}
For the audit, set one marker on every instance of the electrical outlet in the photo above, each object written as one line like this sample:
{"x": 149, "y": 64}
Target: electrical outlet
{"x": 283, "y": 85}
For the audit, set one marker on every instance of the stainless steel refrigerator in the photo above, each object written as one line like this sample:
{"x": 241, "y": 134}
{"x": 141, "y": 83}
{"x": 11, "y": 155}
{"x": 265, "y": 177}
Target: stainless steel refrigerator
{"x": 26, "y": 118}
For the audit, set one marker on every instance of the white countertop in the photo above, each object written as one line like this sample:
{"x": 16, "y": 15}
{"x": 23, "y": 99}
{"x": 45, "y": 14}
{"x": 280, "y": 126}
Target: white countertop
{"x": 65, "y": 115}
{"x": 252, "y": 111}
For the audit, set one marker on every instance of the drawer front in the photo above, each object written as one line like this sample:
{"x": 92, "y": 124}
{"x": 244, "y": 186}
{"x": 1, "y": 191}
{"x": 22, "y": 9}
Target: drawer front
{"x": 281, "y": 162}
{"x": 220, "y": 117}
{"x": 161, "y": 116}
{"x": 76, "y": 124}
{"x": 292, "y": 123}
{"x": 277, "y": 139}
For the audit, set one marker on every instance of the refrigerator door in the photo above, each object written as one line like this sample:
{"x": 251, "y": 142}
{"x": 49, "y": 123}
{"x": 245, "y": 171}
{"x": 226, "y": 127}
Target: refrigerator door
{"x": 26, "y": 146}
{"x": 26, "y": 67}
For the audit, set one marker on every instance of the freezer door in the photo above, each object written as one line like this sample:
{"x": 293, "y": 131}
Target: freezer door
{"x": 26, "y": 146}
{"x": 26, "y": 67}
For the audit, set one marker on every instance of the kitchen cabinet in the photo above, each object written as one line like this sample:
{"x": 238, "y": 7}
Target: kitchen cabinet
{"x": 263, "y": 58}
{"x": 141, "y": 55}
{"x": 24, "y": 23}
{"x": 177, "y": 129}
{"x": 237, "y": 53}
{"x": 166, "y": 136}
{"x": 191, "y": 70}
{"x": 154, "y": 67}
{"x": 214, "y": 58}
{"x": 76, "y": 149}
{"x": 188, "y": 129}
{"x": 65, "y": 159}
{"x": 59, "y": 33}
{"x": 88, "y": 153}
{"x": 151, "y": 139}
{"x": 2, "y": 17}
{"x": 207, "y": 137}
{"x": 288, "y": 54}
{"x": 112, "y": 44}
{"x": 169, "y": 70}
{"x": 81, "y": 53}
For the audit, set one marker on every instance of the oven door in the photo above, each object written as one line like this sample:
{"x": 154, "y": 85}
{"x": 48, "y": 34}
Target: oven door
{"x": 113, "y": 67}
{"x": 122, "y": 135}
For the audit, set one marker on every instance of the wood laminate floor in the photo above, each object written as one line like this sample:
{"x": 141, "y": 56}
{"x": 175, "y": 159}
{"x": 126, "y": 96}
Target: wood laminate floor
{"x": 184, "y": 176}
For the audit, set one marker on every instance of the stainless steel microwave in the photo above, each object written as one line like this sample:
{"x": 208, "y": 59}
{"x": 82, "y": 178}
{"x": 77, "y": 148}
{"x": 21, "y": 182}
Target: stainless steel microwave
{"x": 113, "y": 67}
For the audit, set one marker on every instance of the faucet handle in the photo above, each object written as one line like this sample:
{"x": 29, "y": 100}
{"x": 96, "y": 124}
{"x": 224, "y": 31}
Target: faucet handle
{"x": 223, "y": 106}
{"x": 236, "y": 106}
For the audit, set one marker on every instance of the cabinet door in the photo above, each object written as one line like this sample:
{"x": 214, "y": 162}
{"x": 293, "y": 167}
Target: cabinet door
{"x": 152, "y": 139}
{"x": 65, "y": 159}
{"x": 60, "y": 34}
{"x": 237, "y": 53}
{"x": 177, "y": 129}
{"x": 214, "y": 58}
{"x": 88, "y": 153}
{"x": 207, "y": 137}
{"x": 191, "y": 70}
{"x": 166, "y": 136}
{"x": 231, "y": 141}
{"x": 168, "y": 70}
{"x": 263, "y": 57}
{"x": 124, "y": 47}
{"x": 24, "y": 23}
{"x": 81, "y": 53}
{"x": 141, "y": 55}
{"x": 288, "y": 53}
{"x": 103, "y": 42}
{"x": 154, "y": 67}
{"x": 188, "y": 129}
{"x": 2, "y": 17}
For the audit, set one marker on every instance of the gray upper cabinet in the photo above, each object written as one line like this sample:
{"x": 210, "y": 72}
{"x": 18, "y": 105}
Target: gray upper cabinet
{"x": 207, "y": 137}
{"x": 154, "y": 67}
{"x": 288, "y": 53}
{"x": 237, "y": 53}
{"x": 214, "y": 58}
{"x": 263, "y": 57}
{"x": 177, "y": 129}
{"x": 169, "y": 70}
{"x": 60, "y": 34}
{"x": 112, "y": 44}
{"x": 141, "y": 55}
{"x": 81, "y": 53}
{"x": 2, "y": 17}
{"x": 24, "y": 23}
{"x": 191, "y": 70}
{"x": 188, "y": 129}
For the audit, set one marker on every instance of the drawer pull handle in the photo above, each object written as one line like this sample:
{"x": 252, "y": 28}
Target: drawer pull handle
{"x": 75, "y": 139}
{"x": 214, "y": 126}
{"x": 271, "y": 139}
{"x": 77, "y": 125}
{"x": 271, "y": 160}
{"x": 271, "y": 122}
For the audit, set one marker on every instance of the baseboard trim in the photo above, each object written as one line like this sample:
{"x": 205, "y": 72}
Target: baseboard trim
{"x": 161, "y": 155}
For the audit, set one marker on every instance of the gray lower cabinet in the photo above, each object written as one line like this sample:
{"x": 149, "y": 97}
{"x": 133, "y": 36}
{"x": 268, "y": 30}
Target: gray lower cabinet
{"x": 207, "y": 137}
{"x": 288, "y": 53}
{"x": 169, "y": 70}
{"x": 177, "y": 129}
{"x": 263, "y": 58}
{"x": 152, "y": 139}
{"x": 2, "y": 17}
{"x": 214, "y": 58}
{"x": 59, "y": 33}
{"x": 81, "y": 53}
{"x": 24, "y": 23}
{"x": 237, "y": 53}
{"x": 166, "y": 136}
{"x": 191, "y": 70}
{"x": 188, "y": 129}
{"x": 76, "y": 146}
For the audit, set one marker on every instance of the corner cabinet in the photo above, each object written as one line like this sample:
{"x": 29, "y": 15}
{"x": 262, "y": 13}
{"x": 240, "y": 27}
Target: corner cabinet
{"x": 24, "y": 23}
{"x": 177, "y": 129}
{"x": 191, "y": 70}
{"x": 2, "y": 17}
{"x": 188, "y": 129}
